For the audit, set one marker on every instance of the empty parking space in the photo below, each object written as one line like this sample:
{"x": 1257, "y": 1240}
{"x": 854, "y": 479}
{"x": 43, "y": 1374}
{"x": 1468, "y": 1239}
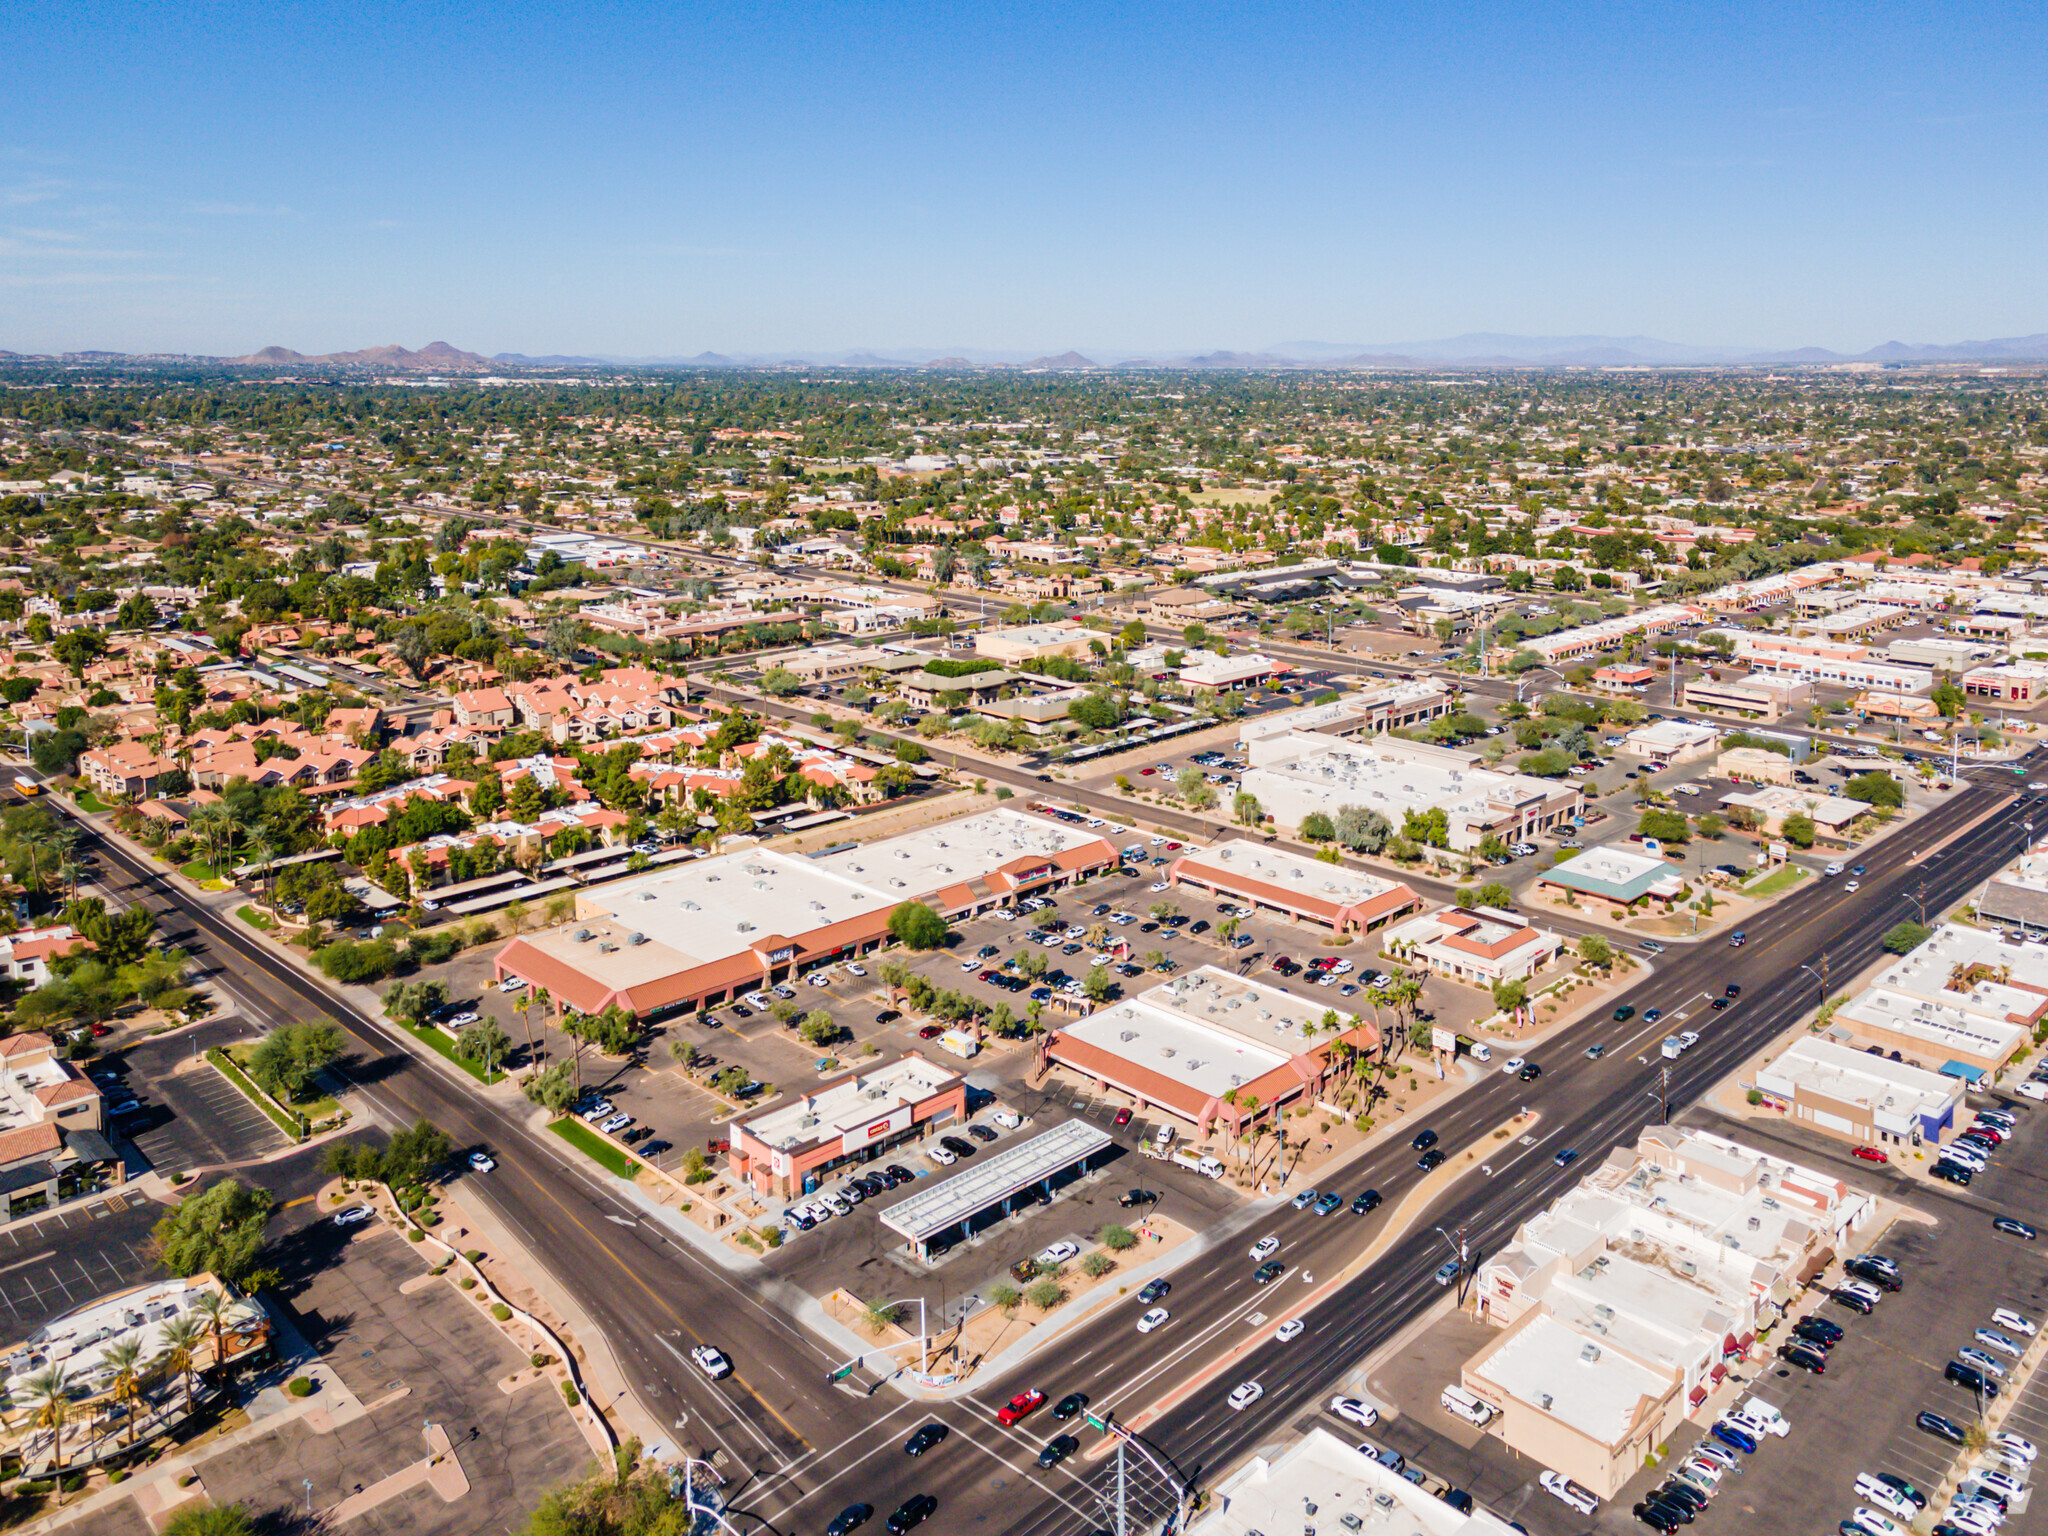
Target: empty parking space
{"x": 197, "y": 1118}
{"x": 73, "y": 1257}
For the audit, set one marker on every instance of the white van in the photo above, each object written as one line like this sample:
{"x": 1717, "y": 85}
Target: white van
{"x": 1163, "y": 1136}
{"x": 1467, "y": 1407}
{"x": 1481, "y": 1051}
{"x": 1210, "y": 1168}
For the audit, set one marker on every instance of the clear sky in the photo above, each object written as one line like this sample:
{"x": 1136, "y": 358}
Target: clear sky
{"x": 1128, "y": 178}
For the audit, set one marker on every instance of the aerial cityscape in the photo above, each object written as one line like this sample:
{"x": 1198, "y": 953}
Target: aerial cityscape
{"x": 858, "y": 862}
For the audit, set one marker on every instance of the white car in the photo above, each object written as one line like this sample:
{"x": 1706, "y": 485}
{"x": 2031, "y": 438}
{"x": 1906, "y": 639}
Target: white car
{"x": 2004, "y": 1484}
{"x": 482, "y": 1162}
{"x": 598, "y": 1111}
{"x": 1293, "y": 1328}
{"x": 1246, "y": 1394}
{"x": 711, "y": 1362}
{"x": 1356, "y": 1409}
{"x": 1570, "y": 1493}
{"x": 457, "y": 1020}
{"x": 1058, "y": 1253}
{"x": 1968, "y": 1515}
{"x": 1998, "y": 1341}
{"x": 1265, "y": 1248}
{"x": 2018, "y": 1452}
{"x": 352, "y": 1215}
{"x": 1688, "y": 1039}
{"x": 1156, "y": 885}
{"x": 1152, "y": 1319}
{"x": 616, "y": 1124}
{"x": 1158, "y": 841}
{"x": 819, "y": 979}
{"x": 971, "y": 963}
{"x": 1876, "y": 1524}
{"x": 2005, "y": 1317}
{"x": 1888, "y": 1499}
{"x": 512, "y": 984}
{"x": 1514, "y": 1064}
{"x": 940, "y": 1156}
{"x": 855, "y": 970}
{"x": 1852, "y": 885}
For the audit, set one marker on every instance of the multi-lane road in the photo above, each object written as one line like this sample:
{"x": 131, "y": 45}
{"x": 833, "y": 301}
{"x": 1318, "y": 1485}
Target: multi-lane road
{"x": 807, "y": 1450}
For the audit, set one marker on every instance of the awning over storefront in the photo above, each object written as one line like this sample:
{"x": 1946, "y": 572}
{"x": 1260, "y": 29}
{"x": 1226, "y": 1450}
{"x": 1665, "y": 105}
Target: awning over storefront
{"x": 1718, "y": 1374}
{"x": 1696, "y": 1396}
{"x": 1966, "y": 1073}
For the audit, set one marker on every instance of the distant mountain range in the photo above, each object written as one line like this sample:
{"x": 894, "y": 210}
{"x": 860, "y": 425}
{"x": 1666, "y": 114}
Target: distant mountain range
{"x": 1481, "y": 349}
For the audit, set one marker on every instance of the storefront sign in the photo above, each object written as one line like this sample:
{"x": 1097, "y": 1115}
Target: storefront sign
{"x": 875, "y": 1130}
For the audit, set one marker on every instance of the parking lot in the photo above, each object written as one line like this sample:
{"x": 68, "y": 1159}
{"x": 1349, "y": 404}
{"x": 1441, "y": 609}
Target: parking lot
{"x": 190, "y": 1116}
{"x": 72, "y": 1257}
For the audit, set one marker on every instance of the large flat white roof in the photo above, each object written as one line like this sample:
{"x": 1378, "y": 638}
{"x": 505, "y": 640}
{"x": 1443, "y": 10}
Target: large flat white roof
{"x": 1345, "y": 1485}
{"x": 932, "y": 858}
{"x": 1291, "y": 871}
{"x": 1208, "y": 1029}
{"x": 1390, "y": 778}
{"x": 1583, "y": 1383}
{"x": 849, "y": 1103}
{"x": 717, "y": 907}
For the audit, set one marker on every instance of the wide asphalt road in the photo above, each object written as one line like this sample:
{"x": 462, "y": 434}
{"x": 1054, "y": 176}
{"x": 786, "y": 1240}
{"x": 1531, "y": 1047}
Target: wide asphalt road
{"x": 806, "y": 1450}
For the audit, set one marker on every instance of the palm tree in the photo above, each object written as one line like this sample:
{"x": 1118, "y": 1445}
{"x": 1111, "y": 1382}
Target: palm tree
{"x": 50, "y": 1392}
{"x": 181, "y": 1336}
{"x": 125, "y": 1357}
{"x": 211, "y": 1307}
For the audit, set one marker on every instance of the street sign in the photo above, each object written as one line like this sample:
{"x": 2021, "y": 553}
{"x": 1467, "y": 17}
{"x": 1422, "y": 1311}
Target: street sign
{"x": 842, "y": 1373}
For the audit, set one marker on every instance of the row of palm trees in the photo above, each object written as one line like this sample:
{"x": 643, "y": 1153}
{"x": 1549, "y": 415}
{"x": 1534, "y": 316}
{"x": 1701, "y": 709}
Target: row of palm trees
{"x": 51, "y": 1394}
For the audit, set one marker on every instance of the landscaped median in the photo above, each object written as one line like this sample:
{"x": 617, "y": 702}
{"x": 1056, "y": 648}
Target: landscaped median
{"x": 595, "y": 1147}
{"x": 285, "y": 1121}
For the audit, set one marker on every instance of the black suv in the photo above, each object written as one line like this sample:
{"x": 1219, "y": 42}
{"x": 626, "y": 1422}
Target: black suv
{"x": 1423, "y": 1141}
{"x": 911, "y": 1513}
{"x": 1365, "y": 1202}
{"x": 1878, "y": 1275}
{"x": 959, "y": 1146}
{"x": 1817, "y": 1331}
{"x": 1970, "y": 1379}
{"x": 926, "y": 1437}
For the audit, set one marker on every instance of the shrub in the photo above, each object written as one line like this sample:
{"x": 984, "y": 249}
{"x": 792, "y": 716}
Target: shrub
{"x": 541, "y": 1361}
{"x": 474, "y": 1255}
{"x": 1004, "y": 1297}
{"x": 1096, "y": 1265}
{"x": 501, "y": 1312}
{"x": 74, "y": 1482}
{"x": 1755, "y": 1096}
{"x": 1117, "y": 1238}
{"x": 569, "y": 1394}
{"x": 300, "y": 1386}
{"x": 467, "y": 1282}
{"x": 1047, "y": 1294}
{"x": 416, "y": 1236}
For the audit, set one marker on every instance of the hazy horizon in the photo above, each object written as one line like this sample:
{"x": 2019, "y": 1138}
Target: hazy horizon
{"x": 619, "y": 182}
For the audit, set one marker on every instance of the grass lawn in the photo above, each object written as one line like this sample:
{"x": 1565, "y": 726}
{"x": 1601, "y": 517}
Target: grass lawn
{"x": 87, "y": 800}
{"x": 318, "y": 1105}
{"x": 204, "y": 873}
{"x": 1783, "y": 878}
{"x": 594, "y": 1147}
{"x": 437, "y": 1040}
{"x": 256, "y": 919}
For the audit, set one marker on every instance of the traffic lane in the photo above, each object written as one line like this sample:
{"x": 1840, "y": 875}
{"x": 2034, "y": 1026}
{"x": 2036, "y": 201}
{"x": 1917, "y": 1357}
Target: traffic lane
{"x": 565, "y": 1215}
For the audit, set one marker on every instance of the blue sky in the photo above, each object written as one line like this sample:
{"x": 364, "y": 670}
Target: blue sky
{"x": 1126, "y": 178}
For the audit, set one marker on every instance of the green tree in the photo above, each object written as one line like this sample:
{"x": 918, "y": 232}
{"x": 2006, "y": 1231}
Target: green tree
{"x": 1245, "y": 809}
{"x": 413, "y": 1153}
{"x": 1493, "y": 894}
{"x": 553, "y": 1087}
{"x": 916, "y": 926}
{"x": 1876, "y": 788}
{"x": 1362, "y": 830}
{"x": 1906, "y": 937}
{"x": 286, "y": 1060}
{"x": 1596, "y": 952}
{"x": 219, "y": 1231}
{"x": 1317, "y": 828}
{"x": 1665, "y": 826}
{"x": 1798, "y": 829}
{"x": 1096, "y": 984}
{"x": 1948, "y": 698}
{"x": 780, "y": 682}
{"x": 819, "y": 1027}
{"x": 483, "y": 1043}
{"x": 211, "y": 1520}
{"x": 414, "y": 1002}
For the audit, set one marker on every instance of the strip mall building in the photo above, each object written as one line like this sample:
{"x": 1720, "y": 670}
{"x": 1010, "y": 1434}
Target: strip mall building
{"x": 700, "y": 934}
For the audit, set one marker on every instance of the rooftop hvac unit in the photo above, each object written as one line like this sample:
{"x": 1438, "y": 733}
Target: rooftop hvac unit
{"x": 607, "y": 947}
{"x": 1543, "y": 1401}
{"x": 1589, "y": 1353}
{"x": 636, "y": 938}
{"x": 581, "y": 935}
{"x": 647, "y": 896}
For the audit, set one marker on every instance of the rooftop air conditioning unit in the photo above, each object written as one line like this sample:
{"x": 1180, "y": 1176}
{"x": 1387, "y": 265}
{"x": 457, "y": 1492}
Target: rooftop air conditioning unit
{"x": 607, "y": 947}
{"x": 1543, "y": 1401}
{"x": 636, "y": 938}
{"x": 581, "y": 935}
